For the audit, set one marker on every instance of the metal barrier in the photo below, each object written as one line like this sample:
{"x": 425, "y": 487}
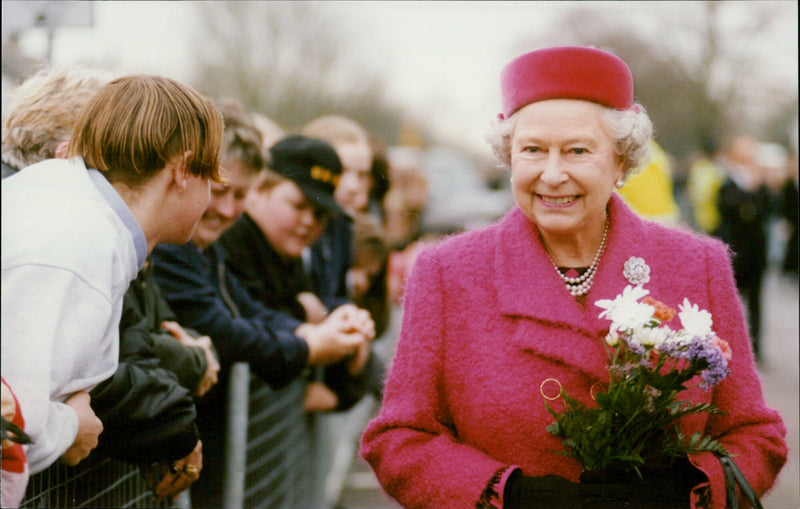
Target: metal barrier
{"x": 94, "y": 482}
{"x": 279, "y": 467}
{"x": 277, "y": 457}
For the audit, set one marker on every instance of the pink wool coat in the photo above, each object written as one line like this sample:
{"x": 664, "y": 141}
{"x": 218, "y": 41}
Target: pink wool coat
{"x": 487, "y": 320}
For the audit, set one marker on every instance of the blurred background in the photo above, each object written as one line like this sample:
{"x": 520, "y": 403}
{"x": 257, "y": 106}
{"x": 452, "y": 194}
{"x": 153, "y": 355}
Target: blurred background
{"x": 425, "y": 74}
{"x": 423, "y": 78}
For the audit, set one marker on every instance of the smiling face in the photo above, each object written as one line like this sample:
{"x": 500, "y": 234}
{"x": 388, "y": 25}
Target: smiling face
{"x": 563, "y": 166}
{"x": 287, "y": 218}
{"x": 226, "y": 204}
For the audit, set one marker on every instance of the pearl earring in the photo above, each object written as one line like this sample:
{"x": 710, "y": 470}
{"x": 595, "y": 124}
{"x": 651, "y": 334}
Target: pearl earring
{"x": 619, "y": 183}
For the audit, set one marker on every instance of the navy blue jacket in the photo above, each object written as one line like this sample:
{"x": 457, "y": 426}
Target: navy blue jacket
{"x": 331, "y": 258}
{"x": 207, "y": 298}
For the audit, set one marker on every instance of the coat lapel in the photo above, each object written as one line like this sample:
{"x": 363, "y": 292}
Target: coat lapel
{"x": 529, "y": 289}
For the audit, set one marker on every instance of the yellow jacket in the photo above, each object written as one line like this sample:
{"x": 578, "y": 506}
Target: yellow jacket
{"x": 649, "y": 191}
{"x": 705, "y": 179}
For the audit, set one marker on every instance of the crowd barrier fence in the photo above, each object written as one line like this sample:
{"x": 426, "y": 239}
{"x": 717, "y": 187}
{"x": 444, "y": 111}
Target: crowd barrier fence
{"x": 277, "y": 456}
{"x": 94, "y": 482}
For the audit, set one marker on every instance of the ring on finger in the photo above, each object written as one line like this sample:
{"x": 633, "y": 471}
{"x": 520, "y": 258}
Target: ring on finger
{"x": 190, "y": 469}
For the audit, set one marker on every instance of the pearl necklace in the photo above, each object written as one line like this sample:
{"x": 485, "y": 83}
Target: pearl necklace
{"x": 579, "y": 286}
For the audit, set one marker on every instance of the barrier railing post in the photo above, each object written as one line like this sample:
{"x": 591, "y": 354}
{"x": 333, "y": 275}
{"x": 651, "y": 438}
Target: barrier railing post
{"x": 236, "y": 436}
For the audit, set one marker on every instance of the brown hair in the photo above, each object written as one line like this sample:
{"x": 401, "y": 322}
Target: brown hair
{"x": 242, "y": 140}
{"x": 134, "y": 125}
{"x": 268, "y": 179}
{"x": 336, "y": 130}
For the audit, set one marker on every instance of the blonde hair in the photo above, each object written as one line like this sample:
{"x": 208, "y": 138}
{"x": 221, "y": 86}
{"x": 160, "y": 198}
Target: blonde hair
{"x": 44, "y": 111}
{"x": 134, "y": 125}
{"x": 336, "y": 130}
{"x": 271, "y": 132}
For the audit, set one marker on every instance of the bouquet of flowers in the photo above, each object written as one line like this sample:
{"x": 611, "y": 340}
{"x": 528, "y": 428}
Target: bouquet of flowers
{"x": 635, "y": 421}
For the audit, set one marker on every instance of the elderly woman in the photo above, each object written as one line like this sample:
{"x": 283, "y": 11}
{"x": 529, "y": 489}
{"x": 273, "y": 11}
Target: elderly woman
{"x": 491, "y": 314}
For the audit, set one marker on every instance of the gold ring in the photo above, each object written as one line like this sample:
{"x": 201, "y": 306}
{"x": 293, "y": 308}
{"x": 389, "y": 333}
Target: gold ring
{"x": 545, "y": 396}
{"x": 593, "y": 390}
{"x": 190, "y": 469}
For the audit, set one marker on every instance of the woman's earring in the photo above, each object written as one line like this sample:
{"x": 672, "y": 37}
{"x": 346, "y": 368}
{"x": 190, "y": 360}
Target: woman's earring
{"x": 619, "y": 183}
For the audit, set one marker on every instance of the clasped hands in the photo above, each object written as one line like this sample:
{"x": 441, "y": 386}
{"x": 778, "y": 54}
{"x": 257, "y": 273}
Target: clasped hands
{"x": 346, "y": 331}
{"x": 204, "y": 342}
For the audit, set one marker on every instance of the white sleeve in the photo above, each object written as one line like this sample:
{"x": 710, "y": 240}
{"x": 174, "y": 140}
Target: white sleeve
{"x": 55, "y": 341}
{"x": 58, "y": 434}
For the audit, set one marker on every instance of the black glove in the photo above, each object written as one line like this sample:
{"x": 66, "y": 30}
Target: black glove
{"x": 555, "y": 492}
{"x": 661, "y": 488}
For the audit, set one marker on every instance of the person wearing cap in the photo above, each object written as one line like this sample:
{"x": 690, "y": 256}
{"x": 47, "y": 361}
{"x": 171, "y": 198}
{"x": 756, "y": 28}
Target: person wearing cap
{"x": 490, "y": 314}
{"x": 286, "y": 211}
{"x": 205, "y": 296}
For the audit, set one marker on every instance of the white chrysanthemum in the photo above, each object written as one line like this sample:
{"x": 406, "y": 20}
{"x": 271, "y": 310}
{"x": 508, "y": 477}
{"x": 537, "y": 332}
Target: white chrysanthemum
{"x": 695, "y": 321}
{"x": 625, "y": 311}
{"x": 630, "y": 295}
{"x": 651, "y": 336}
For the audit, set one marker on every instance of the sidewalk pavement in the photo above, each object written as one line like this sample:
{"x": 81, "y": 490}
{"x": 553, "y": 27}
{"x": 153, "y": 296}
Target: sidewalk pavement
{"x": 779, "y": 375}
{"x": 780, "y": 381}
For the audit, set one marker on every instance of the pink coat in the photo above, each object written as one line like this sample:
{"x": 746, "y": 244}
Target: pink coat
{"x": 487, "y": 319}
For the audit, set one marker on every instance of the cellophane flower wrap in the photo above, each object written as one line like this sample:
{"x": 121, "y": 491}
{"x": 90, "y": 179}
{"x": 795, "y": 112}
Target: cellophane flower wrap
{"x": 634, "y": 422}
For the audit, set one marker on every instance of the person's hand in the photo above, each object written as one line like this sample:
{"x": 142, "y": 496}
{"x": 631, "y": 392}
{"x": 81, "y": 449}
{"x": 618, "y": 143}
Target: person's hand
{"x": 178, "y": 333}
{"x": 319, "y": 398}
{"x": 181, "y": 475}
{"x": 359, "y": 360}
{"x": 212, "y": 366}
{"x": 89, "y": 429}
{"x": 673, "y": 484}
{"x": 357, "y": 319}
{"x": 555, "y": 492}
{"x": 314, "y": 308}
{"x": 358, "y": 281}
{"x": 335, "y": 338}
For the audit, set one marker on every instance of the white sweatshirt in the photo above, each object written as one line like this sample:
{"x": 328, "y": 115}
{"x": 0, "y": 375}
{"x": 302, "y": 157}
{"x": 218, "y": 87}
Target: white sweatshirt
{"x": 67, "y": 259}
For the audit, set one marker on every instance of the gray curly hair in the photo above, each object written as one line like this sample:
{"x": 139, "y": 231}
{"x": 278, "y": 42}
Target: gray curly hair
{"x": 631, "y": 130}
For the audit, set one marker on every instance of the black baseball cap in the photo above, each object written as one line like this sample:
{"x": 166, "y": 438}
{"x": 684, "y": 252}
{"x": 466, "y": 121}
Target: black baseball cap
{"x": 313, "y": 165}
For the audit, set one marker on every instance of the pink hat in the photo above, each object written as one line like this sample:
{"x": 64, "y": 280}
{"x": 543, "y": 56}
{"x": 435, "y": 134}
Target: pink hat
{"x": 568, "y": 72}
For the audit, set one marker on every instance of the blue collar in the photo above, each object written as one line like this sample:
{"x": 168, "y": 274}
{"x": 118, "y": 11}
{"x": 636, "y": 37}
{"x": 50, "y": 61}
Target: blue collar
{"x": 123, "y": 212}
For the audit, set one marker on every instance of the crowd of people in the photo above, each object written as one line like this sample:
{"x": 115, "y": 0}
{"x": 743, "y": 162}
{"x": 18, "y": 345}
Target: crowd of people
{"x": 153, "y": 237}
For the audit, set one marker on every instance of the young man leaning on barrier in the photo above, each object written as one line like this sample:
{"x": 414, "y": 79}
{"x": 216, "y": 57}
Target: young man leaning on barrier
{"x": 76, "y": 231}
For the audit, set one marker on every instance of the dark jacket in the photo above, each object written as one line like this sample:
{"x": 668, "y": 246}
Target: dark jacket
{"x": 789, "y": 211}
{"x": 331, "y": 258}
{"x": 267, "y": 276}
{"x": 147, "y": 415}
{"x": 275, "y": 282}
{"x": 205, "y": 297}
{"x": 187, "y": 362}
{"x": 743, "y": 227}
